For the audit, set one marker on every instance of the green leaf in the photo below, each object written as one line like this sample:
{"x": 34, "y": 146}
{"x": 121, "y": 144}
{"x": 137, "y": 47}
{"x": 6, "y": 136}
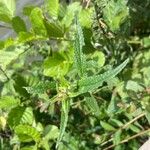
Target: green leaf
{"x": 27, "y": 10}
{"x": 78, "y": 45}
{"x": 134, "y": 128}
{"x": 56, "y": 65}
{"x": 8, "y": 102}
{"x": 2, "y": 44}
{"x": 116, "y": 122}
{"x": 52, "y": 7}
{"x": 29, "y": 148}
{"x": 146, "y": 41}
{"x": 85, "y": 17}
{"x": 107, "y": 126}
{"x": 36, "y": 18}
{"x": 41, "y": 88}
{"x": 9, "y": 54}
{"x": 54, "y": 29}
{"x": 2, "y": 123}
{"x": 7, "y": 9}
{"x": 20, "y": 115}
{"x": 115, "y": 13}
{"x": 64, "y": 120}
{"x": 134, "y": 86}
{"x": 27, "y": 133}
{"x": 93, "y": 105}
{"x": 70, "y": 13}
{"x": 89, "y": 84}
{"x": 18, "y": 24}
{"x": 51, "y": 132}
{"x": 117, "y": 137}
{"x": 25, "y": 37}
{"x": 99, "y": 57}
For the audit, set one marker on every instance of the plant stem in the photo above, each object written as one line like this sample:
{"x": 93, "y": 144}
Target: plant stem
{"x": 133, "y": 120}
{"x": 128, "y": 139}
{"x": 125, "y": 126}
{"x": 4, "y": 73}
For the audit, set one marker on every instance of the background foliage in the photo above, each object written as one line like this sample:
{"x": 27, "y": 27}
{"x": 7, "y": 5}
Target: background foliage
{"x": 75, "y": 76}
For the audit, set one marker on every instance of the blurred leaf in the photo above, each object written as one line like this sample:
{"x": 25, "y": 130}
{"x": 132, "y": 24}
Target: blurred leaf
{"x": 134, "y": 86}
{"x": 9, "y": 54}
{"x": 118, "y": 10}
{"x": 85, "y": 17}
{"x": 18, "y": 24}
{"x": 107, "y": 126}
{"x": 56, "y": 65}
{"x": 53, "y": 29}
{"x": 99, "y": 57}
{"x": 7, "y": 9}
{"x": 93, "y": 105}
{"x": 25, "y": 37}
{"x": 20, "y": 115}
{"x": 134, "y": 128}
{"x": 27, "y": 10}
{"x": 27, "y": 133}
{"x": 146, "y": 41}
{"x": 29, "y": 148}
{"x": 7, "y": 102}
{"x": 36, "y": 18}
{"x": 117, "y": 137}
{"x": 70, "y": 13}
{"x": 64, "y": 119}
{"x": 52, "y": 7}
{"x": 116, "y": 122}
{"x": 2, "y": 122}
{"x": 51, "y": 132}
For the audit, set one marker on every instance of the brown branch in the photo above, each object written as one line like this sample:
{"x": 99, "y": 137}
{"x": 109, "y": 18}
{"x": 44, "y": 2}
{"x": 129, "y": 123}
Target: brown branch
{"x": 125, "y": 126}
{"x": 128, "y": 139}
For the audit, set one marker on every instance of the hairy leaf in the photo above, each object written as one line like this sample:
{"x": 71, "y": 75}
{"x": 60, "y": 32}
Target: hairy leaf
{"x": 64, "y": 120}
{"x": 92, "y": 83}
{"x": 78, "y": 45}
{"x": 41, "y": 88}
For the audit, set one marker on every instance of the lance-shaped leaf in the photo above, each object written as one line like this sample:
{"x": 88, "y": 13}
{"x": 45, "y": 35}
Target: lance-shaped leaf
{"x": 89, "y": 84}
{"x": 64, "y": 120}
{"x": 78, "y": 44}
